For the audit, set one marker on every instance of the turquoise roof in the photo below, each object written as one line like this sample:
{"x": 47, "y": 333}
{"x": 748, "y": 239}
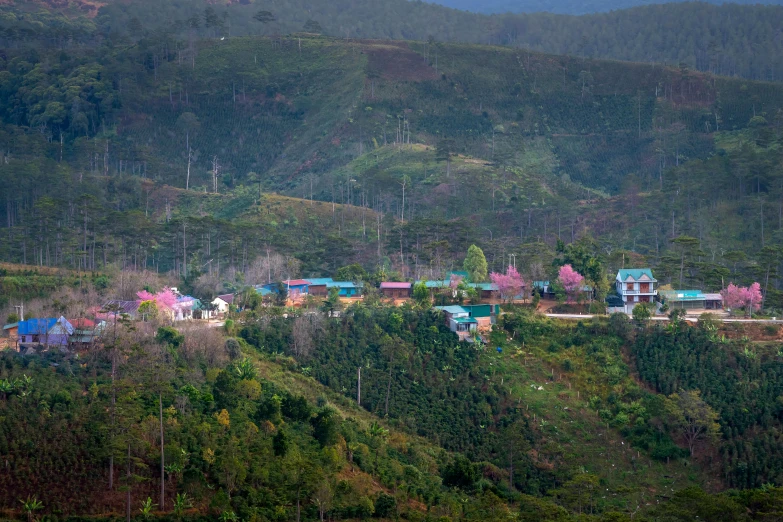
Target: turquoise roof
{"x": 683, "y": 295}
{"x": 634, "y": 273}
{"x": 484, "y": 286}
{"x": 343, "y": 284}
{"x": 464, "y": 320}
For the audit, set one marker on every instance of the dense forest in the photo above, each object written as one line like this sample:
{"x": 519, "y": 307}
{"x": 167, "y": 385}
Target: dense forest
{"x": 564, "y": 7}
{"x": 728, "y": 39}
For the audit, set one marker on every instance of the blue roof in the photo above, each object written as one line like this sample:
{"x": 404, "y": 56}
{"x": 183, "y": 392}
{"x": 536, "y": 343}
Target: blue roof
{"x": 36, "y": 326}
{"x": 317, "y": 281}
{"x": 465, "y": 320}
{"x": 634, "y": 273}
{"x": 263, "y": 290}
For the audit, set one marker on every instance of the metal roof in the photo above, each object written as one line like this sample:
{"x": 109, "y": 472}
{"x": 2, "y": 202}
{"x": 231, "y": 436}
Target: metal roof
{"x": 394, "y": 284}
{"x": 318, "y": 281}
{"x": 464, "y": 320}
{"x": 124, "y": 307}
{"x": 435, "y": 284}
{"x": 296, "y": 282}
{"x": 36, "y": 326}
{"x": 713, "y": 297}
{"x": 683, "y": 295}
{"x": 226, "y": 298}
{"x": 635, "y": 274}
{"x": 452, "y": 309}
{"x": 344, "y": 284}
{"x": 485, "y": 286}
{"x": 10, "y": 325}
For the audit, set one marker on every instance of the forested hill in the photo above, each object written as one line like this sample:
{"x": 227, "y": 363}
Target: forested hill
{"x": 731, "y": 39}
{"x": 571, "y": 7}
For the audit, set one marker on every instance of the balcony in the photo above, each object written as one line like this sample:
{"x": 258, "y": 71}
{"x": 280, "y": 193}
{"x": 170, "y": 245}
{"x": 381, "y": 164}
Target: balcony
{"x": 651, "y": 291}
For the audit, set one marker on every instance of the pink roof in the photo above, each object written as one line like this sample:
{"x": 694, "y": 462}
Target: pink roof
{"x": 395, "y": 285}
{"x": 297, "y": 282}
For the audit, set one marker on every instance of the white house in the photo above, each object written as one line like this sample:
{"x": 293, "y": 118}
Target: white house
{"x": 636, "y": 285}
{"x": 223, "y": 302}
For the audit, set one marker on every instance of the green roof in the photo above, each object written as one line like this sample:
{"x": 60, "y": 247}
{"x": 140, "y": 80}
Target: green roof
{"x": 464, "y": 320}
{"x": 482, "y": 310}
{"x": 635, "y": 274}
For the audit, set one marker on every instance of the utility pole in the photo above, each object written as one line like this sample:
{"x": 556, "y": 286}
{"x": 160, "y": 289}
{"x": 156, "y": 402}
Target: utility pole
{"x": 359, "y": 393}
{"x": 515, "y": 260}
{"x": 21, "y": 311}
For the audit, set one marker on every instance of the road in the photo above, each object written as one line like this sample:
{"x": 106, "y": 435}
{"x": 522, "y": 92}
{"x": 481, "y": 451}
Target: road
{"x": 690, "y": 319}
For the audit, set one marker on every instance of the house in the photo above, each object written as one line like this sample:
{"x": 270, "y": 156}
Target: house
{"x": 690, "y": 300}
{"x": 10, "y": 337}
{"x": 458, "y": 320}
{"x": 318, "y": 286}
{"x": 85, "y": 333}
{"x": 296, "y": 288}
{"x": 184, "y": 307}
{"x": 396, "y": 290}
{"x": 484, "y": 314}
{"x": 486, "y": 290}
{"x": 346, "y": 288}
{"x": 117, "y": 308}
{"x": 544, "y": 288}
{"x": 223, "y": 302}
{"x": 47, "y": 331}
{"x": 634, "y": 286}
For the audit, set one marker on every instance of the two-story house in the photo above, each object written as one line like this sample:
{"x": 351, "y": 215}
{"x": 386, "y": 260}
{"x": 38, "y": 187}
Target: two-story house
{"x": 636, "y": 285}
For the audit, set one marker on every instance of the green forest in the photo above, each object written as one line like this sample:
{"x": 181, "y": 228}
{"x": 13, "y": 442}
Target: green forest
{"x": 216, "y": 147}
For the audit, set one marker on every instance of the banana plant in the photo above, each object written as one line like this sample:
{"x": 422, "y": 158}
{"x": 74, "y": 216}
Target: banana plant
{"x": 147, "y": 507}
{"x": 30, "y": 506}
{"x": 181, "y": 503}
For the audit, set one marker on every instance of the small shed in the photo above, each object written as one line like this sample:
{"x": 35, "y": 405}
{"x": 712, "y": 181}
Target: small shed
{"x": 11, "y": 331}
{"x": 458, "y": 319}
{"x": 396, "y": 290}
{"x": 35, "y": 331}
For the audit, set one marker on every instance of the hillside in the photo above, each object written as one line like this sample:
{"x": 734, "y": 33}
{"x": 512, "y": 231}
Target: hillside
{"x": 565, "y": 6}
{"x": 727, "y": 39}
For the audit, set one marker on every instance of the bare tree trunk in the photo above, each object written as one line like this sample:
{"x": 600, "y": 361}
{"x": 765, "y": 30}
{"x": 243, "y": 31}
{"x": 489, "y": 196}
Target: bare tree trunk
{"x": 162, "y": 455}
{"x": 128, "y": 486}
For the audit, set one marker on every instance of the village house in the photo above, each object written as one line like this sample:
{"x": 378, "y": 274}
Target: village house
{"x": 346, "y": 288}
{"x": 222, "y": 303}
{"x": 634, "y": 286}
{"x": 318, "y": 286}
{"x": 459, "y": 321}
{"x": 690, "y": 300}
{"x": 396, "y": 290}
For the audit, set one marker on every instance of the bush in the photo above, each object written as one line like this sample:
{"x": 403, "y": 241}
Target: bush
{"x": 385, "y": 506}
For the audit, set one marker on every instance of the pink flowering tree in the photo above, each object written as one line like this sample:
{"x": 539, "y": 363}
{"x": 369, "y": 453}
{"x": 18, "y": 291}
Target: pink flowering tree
{"x": 164, "y": 300}
{"x": 748, "y": 297}
{"x": 571, "y": 280}
{"x": 509, "y": 284}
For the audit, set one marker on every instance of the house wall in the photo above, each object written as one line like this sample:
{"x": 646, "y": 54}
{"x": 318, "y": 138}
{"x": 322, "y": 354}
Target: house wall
{"x": 396, "y": 293}
{"x": 318, "y": 290}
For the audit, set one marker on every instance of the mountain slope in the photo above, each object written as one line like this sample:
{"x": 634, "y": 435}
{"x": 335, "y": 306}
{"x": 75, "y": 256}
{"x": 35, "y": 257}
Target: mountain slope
{"x": 567, "y": 6}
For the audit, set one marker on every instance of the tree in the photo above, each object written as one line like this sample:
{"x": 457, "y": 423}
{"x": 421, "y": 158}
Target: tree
{"x": 475, "y": 264}
{"x": 688, "y": 247}
{"x": 571, "y": 280}
{"x": 510, "y": 284}
{"x": 642, "y": 313}
{"x": 444, "y": 149}
{"x": 264, "y": 17}
{"x": 421, "y": 294}
{"x": 749, "y": 297}
{"x": 354, "y": 273}
{"x": 311, "y": 26}
{"x": 30, "y": 506}
{"x": 692, "y": 417}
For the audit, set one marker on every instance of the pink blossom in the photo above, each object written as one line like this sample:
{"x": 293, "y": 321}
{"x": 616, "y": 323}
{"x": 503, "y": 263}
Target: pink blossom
{"x": 165, "y": 299}
{"x": 743, "y": 297}
{"x": 454, "y": 281}
{"x": 571, "y": 280}
{"x": 509, "y": 284}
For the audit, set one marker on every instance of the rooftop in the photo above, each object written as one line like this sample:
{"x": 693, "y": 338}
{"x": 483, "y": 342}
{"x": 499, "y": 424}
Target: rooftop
{"x": 635, "y": 274}
{"x": 344, "y": 284}
{"x": 464, "y": 320}
{"x": 683, "y": 295}
{"x": 296, "y": 282}
{"x": 318, "y": 281}
{"x": 226, "y": 298}
{"x": 394, "y": 284}
{"x": 453, "y": 309}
